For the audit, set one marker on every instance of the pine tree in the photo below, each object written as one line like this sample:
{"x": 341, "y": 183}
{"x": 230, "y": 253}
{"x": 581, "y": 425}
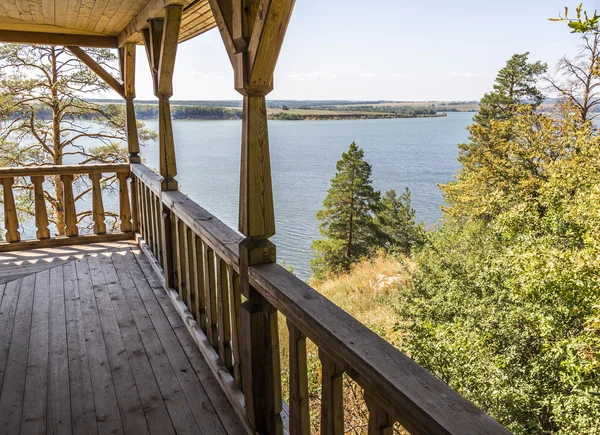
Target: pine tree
{"x": 515, "y": 85}
{"x": 396, "y": 223}
{"x": 347, "y": 221}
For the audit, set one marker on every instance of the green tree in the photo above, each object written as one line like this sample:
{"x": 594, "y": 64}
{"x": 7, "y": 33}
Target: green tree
{"x": 347, "y": 223}
{"x": 45, "y": 119}
{"x": 515, "y": 85}
{"x": 396, "y": 223}
{"x": 505, "y": 305}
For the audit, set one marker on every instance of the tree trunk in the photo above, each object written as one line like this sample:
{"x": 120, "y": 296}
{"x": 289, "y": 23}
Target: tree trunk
{"x": 57, "y": 149}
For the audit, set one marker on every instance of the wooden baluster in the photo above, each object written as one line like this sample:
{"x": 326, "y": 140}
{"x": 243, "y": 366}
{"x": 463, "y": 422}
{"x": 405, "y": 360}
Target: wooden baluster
{"x": 380, "y": 422}
{"x": 198, "y": 264}
{"x": 166, "y": 242}
{"x": 175, "y": 251}
{"x": 332, "y": 405}
{"x": 299, "y": 402}
{"x": 210, "y": 298}
{"x": 261, "y": 364}
{"x": 235, "y": 302}
{"x": 71, "y": 229}
{"x": 181, "y": 260}
{"x": 160, "y": 248}
{"x": 124, "y": 205}
{"x": 144, "y": 211}
{"x": 97, "y": 204}
{"x": 11, "y": 221}
{"x": 190, "y": 271}
{"x": 153, "y": 232}
{"x": 41, "y": 213}
{"x": 224, "y": 317}
{"x": 135, "y": 206}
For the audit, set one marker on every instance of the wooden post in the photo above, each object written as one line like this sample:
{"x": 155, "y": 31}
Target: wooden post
{"x": 332, "y": 405}
{"x": 161, "y": 40}
{"x": 97, "y": 204}
{"x": 380, "y": 422}
{"x": 128, "y": 74}
{"x": 299, "y": 401}
{"x": 124, "y": 204}
{"x": 253, "y": 31}
{"x": 11, "y": 221}
{"x": 41, "y": 213}
{"x": 71, "y": 229}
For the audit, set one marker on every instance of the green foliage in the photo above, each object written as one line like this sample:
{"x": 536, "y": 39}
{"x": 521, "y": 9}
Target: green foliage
{"x": 149, "y": 111}
{"x": 396, "y": 223}
{"x": 582, "y": 23}
{"x": 515, "y": 85}
{"x": 347, "y": 223}
{"x": 505, "y": 305}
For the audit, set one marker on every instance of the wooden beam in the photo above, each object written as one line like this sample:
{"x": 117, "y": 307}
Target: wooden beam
{"x": 41, "y": 38}
{"x": 266, "y": 41}
{"x": 153, "y": 9}
{"x": 168, "y": 49}
{"x": 223, "y": 12}
{"x": 98, "y": 69}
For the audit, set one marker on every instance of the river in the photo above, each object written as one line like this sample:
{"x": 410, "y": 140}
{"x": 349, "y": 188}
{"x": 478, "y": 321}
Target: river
{"x": 418, "y": 153}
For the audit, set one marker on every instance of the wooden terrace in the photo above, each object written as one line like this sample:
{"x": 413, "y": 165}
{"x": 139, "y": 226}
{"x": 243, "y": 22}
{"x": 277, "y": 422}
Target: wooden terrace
{"x": 169, "y": 324}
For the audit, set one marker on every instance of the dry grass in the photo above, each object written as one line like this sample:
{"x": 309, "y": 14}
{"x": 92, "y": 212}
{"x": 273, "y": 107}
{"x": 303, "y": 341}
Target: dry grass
{"x": 369, "y": 292}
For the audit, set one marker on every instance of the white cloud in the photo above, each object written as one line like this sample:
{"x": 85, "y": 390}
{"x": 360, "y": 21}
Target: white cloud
{"x": 464, "y": 75}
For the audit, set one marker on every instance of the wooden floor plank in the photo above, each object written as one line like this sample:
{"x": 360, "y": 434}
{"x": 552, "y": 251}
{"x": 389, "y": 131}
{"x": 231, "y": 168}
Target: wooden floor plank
{"x": 168, "y": 382}
{"x": 93, "y": 346}
{"x": 132, "y": 415}
{"x": 105, "y": 397}
{"x": 83, "y": 414}
{"x": 153, "y": 405}
{"x": 58, "y": 413}
{"x": 33, "y": 420}
{"x": 8, "y": 307}
{"x": 13, "y": 386}
{"x": 204, "y": 412}
{"x": 226, "y": 414}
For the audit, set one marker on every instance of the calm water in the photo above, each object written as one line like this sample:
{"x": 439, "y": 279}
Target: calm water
{"x": 417, "y": 153}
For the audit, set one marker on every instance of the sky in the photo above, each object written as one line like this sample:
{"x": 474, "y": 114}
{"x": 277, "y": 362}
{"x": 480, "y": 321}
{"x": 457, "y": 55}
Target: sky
{"x": 417, "y": 50}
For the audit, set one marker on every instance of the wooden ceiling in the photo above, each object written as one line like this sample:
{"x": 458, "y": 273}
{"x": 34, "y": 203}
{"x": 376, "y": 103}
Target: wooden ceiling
{"x": 101, "y": 23}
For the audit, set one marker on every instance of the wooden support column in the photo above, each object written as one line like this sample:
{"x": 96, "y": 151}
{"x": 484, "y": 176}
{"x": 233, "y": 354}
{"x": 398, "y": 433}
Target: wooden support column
{"x": 161, "y": 40}
{"x": 127, "y": 53}
{"x": 253, "y": 31}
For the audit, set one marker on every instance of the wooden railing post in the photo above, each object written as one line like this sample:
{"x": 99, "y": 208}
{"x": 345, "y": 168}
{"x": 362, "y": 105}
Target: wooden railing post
{"x": 124, "y": 204}
{"x": 11, "y": 221}
{"x": 71, "y": 229}
{"x": 97, "y": 204}
{"x": 380, "y": 422}
{"x": 41, "y": 213}
{"x": 332, "y": 405}
{"x": 299, "y": 401}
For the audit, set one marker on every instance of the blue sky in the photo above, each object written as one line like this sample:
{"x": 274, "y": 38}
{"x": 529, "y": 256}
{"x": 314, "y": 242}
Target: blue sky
{"x": 384, "y": 49}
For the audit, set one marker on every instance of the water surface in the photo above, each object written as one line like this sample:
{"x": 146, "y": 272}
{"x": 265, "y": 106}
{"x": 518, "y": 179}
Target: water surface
{"x": 418, "y": 153}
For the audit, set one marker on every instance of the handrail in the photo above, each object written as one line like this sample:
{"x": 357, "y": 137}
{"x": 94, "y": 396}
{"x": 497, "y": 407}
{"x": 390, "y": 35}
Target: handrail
{"x": 206, "y": 265}
{"x": 27, "y": 171}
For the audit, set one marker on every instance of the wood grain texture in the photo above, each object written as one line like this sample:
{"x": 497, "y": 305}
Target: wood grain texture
{"x": 124, "y": 203}
{"x": 98, "y": 216}
{"x": 41, "y": 213}
{"x": 332, "y": 396}
{"x": 30, "y": 171}
{"x": 11, "y": 221}
{"x": 298, "y": 381}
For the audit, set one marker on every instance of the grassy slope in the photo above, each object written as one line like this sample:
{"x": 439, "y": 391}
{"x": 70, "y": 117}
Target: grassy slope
{"x": 369, "y": 293}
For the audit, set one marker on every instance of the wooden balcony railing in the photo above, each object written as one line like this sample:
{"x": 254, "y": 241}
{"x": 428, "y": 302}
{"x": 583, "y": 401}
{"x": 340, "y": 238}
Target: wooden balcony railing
{"x": 198, "y": 257}
{"x": 36, "y": 175}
